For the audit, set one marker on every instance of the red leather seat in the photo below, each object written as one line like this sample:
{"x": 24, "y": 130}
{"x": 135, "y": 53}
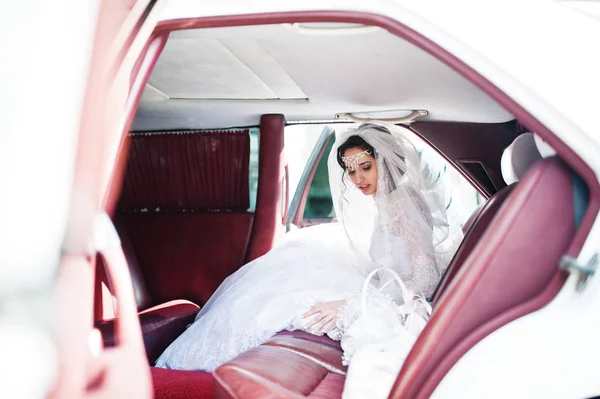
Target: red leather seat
{"x": 511, "y": 272}
{"x": 474, "y": 229}
{"x": 161, "y": 323}
{"x": 286, "y": 366}
{"x": 319, "y": 339}
{"x": 517, "y": 158}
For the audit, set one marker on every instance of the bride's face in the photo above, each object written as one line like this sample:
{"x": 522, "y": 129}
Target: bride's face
{"x": 364, "y": 172}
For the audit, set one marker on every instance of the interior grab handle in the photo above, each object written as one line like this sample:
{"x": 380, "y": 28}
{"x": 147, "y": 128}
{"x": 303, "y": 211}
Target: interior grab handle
{"x": 418, "y": 113}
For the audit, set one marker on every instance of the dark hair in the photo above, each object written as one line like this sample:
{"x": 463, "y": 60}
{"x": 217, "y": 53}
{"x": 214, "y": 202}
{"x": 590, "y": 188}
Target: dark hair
{"x": 353, "y": 142}
{"x": 356, "y": 141}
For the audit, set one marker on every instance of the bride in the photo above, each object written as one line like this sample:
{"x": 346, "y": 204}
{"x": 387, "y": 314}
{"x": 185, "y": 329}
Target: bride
{"x": 391, "y": 214}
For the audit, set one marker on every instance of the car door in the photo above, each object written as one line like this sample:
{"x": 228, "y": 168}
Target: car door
{"x": 122, "y": 52}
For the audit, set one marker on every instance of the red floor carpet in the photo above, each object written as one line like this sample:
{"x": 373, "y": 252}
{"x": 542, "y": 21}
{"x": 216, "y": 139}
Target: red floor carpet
{"x": 176, "y": 384}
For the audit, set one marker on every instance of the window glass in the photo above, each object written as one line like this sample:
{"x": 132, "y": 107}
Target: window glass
{"x": 461, "y": 197}
{"x": 300, "y": 140}
{"x": 318, "y": 202}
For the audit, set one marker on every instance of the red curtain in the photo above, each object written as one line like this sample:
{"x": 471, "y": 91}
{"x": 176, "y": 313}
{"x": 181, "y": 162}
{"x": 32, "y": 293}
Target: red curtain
{"x": 195, "y": 171}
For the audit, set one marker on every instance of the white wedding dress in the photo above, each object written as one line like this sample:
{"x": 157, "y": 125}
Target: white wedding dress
{"x": 395, "y": 229}
{"x": 266, "y": 296}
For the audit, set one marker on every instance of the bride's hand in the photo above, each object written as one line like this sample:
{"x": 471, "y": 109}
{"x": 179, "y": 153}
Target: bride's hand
{"x": 324, "y": 316}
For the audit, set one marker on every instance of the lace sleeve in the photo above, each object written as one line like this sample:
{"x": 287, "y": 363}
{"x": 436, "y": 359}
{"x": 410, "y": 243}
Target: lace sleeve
{"x": 406, "y": 244}
{"x": 379, "y": 304}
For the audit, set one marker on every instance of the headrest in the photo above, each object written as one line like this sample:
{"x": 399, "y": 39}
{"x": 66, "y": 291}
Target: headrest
{"x": 518, "y": 157}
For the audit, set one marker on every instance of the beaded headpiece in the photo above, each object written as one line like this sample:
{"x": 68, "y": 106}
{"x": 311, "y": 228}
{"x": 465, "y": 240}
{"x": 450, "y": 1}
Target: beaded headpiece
{"x": 352, "y": 160}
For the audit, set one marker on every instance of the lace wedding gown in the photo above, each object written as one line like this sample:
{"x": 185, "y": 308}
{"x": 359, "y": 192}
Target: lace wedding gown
{"x": 266, "y": 296}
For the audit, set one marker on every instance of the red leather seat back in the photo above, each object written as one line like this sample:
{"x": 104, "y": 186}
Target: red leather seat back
{"x": 512, "y": 271}
{"x": 475, "y": 227}
{"x": 188, "y": 255}
{"x": 517, "y": 158}
{"x": 204, "y": 248}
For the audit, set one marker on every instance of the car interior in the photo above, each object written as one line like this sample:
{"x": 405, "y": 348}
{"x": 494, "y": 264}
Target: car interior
{"x": 205, "y": 190}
